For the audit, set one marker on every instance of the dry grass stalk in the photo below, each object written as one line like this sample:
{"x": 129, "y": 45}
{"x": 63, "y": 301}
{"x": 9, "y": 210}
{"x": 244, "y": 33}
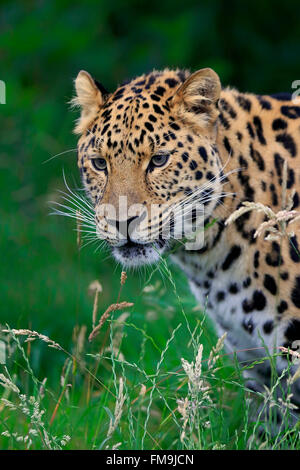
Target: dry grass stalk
{"x": 285, "y": 217}
{"x": 198, "y": 396}
{"x": 8, "y": 384}
{"x": 116, "y": 446}
{"x": 290, "y": 351}
{"x": 81, "y": 338}
{"x": 118, "y": 336}
{"x": 118, "y": 409}
{"x": 295, "y": 377}
{"x": 30, "y": 407}
{"x": 78, "y": 336}
{"x": 183, "y": 408}
{"x": 106, "y": 314}
{"x": 33, "y": 335}
{"x": 123, "y": 278}
{"x": 95, "y": 287}
{"x": 215, "y": 351}
{"x": 296, "y": 355}
{"x": 285, "y": 403}
{"x": 63, "y": 392}
{"x": 193, "y": 371}
{"x": 42, "y": 387}
{"x": 143, "y": 390}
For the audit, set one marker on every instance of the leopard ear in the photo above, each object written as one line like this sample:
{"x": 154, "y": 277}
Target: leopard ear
{"x": 198, "y": 96}
{"x": 90, "y": 96}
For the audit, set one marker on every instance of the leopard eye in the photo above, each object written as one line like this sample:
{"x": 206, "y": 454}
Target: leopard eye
{"x": 159, "y": 160}
{"x": 99, "y": 163}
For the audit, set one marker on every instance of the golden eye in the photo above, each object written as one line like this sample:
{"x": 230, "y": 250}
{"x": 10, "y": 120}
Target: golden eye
{"x": 99, "y": 163}
{"x": 159, "y": 159}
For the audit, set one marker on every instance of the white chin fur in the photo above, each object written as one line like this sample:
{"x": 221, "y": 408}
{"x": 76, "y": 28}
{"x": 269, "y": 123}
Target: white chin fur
{"x": 136, "y": 256}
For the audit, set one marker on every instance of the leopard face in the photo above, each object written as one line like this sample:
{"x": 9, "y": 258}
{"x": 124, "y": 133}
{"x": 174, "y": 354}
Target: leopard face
{"x": 145, "y": 151}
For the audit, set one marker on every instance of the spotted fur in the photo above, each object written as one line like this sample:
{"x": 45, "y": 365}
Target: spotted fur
{"x": 218, "y": 142}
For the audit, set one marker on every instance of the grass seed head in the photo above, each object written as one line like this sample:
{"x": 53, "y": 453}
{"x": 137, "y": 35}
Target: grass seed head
{"x": 123, "y": 278}
{"x": 118, "y": 409}
{"x": 106, "y": 314}
{"x": 32, "y": 335}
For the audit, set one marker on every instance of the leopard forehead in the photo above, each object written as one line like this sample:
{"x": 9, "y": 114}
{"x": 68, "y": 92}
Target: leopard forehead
{"x": 136, "y": 119}
{"x": 136, "y": 122}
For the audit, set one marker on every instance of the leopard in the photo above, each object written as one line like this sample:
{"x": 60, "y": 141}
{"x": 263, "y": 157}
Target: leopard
{"x": 172, "y": 137}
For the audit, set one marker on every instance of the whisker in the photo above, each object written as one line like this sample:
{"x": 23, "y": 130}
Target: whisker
{"x": 58, "y": 154}
{"x": 207, "y": 186}
{"x": 77, "y": 199}
{"x": 71, "y": 208}
{"x": 73, "y": 215}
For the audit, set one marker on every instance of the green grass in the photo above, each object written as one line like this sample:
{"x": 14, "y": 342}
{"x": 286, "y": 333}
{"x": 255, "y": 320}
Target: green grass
{"x": 141, "y": 346}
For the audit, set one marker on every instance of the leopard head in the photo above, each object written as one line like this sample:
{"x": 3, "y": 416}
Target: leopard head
{"x": 145, "y": 152}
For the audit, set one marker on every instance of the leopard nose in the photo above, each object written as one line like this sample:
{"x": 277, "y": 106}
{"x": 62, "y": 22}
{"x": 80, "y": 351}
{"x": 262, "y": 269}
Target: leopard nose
{"x": 126, "y": 227}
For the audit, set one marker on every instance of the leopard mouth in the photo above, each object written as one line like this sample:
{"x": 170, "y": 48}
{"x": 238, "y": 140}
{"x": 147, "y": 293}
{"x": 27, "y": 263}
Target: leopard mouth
{"x": 133, "y": 254}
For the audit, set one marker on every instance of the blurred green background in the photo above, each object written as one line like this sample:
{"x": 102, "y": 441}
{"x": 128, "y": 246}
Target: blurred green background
{"x": 254, "y": 46}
